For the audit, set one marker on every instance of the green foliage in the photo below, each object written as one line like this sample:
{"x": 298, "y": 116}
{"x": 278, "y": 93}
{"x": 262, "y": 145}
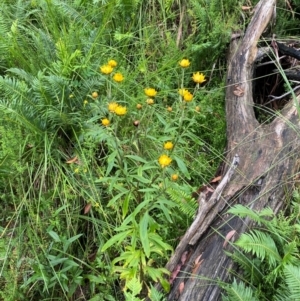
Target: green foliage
{"x": 287, "y": 19}
{"x": 268, "y": 257}
{"x": 91, "y": 204}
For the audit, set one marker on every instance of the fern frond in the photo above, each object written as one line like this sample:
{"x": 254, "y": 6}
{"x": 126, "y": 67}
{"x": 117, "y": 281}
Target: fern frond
{"x": 185, "y": 202}
{"x": 155, "y": 295}
{"x": 292, "y": 279}
{"x": 260, "y": 244}
{"x": 239, "y": 292}
{"x": 258, "y": 217}
{"x": 251, "y": 267}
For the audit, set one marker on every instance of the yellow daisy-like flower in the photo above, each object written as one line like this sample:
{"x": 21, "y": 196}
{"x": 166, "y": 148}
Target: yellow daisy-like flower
{"x": 112, "y": 63}
{"x": 174, "y": 177}
{"x": 183, "y": 91}
{"x": 120, "y": 110}
{"x": 112, "y": 106}
{"x": 106, "y": 69}
{"x": 198, "y": 78}
{"x": 95, "y": 94}
{"x": 184, "y": 63}
{"x": 150, "y": 101}
{"x": 168, "y": 145}
{"x": 150, "y": 92}
{"x": 105, "y": 122}
{"x": 164, "y": 161}
{"x": 118, "y": 77}
{"x": 188, "y": 97}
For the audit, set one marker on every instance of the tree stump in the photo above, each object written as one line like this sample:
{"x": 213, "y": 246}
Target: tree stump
{"x": 264, "y": 155}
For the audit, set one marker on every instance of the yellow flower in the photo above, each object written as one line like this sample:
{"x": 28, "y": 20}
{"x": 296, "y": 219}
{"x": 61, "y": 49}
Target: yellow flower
{"x": 169, "y": 109}
{"x": 139, "y": 106}
{"x": 174, "y": 177}
{"x": 112, "y": 106}
{"x": 95, "y": 94}
{"x": 168, "y": 145}
{"x": 188, "y": 97}
{"x": 106, "y": 69}
{"x": 120, "y": 110}
{"x": 198, "y": 78}
{"x": 184, "y": 63}
{"x": 164, "y": 160}
{"x": 112, "y": 63}
{"x": 105, "y": 122}
{"x": 118, "y": 77}
{"x": 182, "y": 91}
{"x": 150, "y": 101}
{"x": 150, "y": 92}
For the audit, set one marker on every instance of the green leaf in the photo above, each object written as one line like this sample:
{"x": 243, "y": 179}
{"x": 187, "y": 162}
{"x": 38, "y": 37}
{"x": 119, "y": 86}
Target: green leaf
{"x": 115, "y": 198}
{"x": 136, "y": 158}
{"x": 181, "y": 165}
{"x": 144, "y": 233}
{"x": 54, "y": 235}
{"x": 142, "y": 179}
{"x": 161, "y": 119}
{"x": 111, "y": 162}
{"x": 165, "y": 284}
{"x": 125, "y": 205}
{"x": 116, "y": 239}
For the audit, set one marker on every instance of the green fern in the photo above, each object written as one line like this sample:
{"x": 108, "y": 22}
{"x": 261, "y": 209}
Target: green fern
{"x": 261, "y": 245}
{"x": 251, "y": 267}
{"x": 292, "y": 278}
{"x": 239, "y": 292}
{"x": 258, "y": 217}
{"x": 185, "y": 202}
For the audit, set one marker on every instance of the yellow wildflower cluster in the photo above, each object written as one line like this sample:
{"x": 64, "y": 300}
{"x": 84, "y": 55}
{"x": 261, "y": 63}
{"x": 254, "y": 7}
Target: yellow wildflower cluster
{"x": 109, "y": 68}
{"x": 119, "y": 110}
{"x": 187, "y": 95}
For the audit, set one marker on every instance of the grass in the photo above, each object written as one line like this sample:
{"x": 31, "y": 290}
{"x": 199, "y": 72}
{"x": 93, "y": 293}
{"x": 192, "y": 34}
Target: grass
{"x": 89, "y": 210}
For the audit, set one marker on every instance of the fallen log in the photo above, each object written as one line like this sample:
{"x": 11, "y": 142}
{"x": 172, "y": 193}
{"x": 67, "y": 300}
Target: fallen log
{"x": 261, "y": 161}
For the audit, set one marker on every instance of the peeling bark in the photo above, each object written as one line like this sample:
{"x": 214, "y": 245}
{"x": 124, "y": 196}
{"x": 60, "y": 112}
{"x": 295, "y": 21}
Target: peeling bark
{"x": 268, "y": 161}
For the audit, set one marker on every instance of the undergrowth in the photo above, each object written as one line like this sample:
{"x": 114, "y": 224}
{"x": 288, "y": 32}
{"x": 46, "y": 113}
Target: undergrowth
{"x": 112, "y": 116}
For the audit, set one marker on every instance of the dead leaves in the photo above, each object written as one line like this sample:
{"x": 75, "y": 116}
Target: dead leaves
{"x": 87, "y": 208}
{"x": 73, "y": 160}
{"x": 228, "y": 237}
{"x": 197, "y": 264}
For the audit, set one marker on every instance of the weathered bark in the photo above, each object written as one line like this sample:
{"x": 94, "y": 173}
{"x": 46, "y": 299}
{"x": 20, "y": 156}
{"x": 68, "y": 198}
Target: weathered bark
{"x": 267, "y": 162}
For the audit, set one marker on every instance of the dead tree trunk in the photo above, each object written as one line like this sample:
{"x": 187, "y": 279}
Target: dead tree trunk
{"x": 260, "y": 164}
